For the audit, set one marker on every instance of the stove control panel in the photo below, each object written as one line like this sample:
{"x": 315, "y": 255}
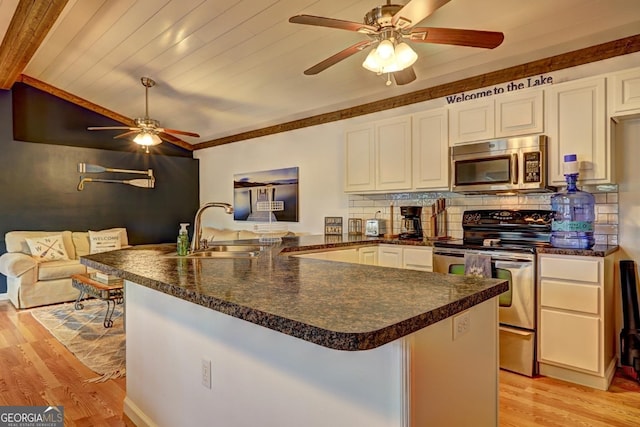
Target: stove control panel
{"x": 520, "y": 218}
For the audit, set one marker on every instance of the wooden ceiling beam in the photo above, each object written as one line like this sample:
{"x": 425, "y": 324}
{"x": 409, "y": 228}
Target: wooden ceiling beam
{"x": 554, "y": 63}
{"x": 29, "y": 26}
{"x": 46, "y": 87}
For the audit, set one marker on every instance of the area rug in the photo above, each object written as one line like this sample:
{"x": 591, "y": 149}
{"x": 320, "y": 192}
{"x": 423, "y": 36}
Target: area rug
{"x": 82, "y": 331}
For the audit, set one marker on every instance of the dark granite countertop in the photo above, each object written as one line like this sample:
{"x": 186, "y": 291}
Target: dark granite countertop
{"x": 597, "y": 251}
{"x": 337, "y": 305}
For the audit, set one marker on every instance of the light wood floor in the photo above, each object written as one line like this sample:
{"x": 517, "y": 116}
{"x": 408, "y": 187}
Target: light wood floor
{"x": 35, "y": 369}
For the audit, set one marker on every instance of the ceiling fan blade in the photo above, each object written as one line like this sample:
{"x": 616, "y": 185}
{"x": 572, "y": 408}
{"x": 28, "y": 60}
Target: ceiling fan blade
{"x": 332, "y": 60}
{"x": 405, "y": 76}
{"x": 333, "y": 23}
{"x": 111, "y": 128}
{"x": 179, "y": 132}
{"x": 415, "y": 11}
{"x": 167, "y": 137}
{"x": 131, "y": 132}
{"x": 471, "y": 38}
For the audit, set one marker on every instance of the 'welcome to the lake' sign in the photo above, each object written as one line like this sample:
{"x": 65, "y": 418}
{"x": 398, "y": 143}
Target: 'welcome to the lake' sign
{"x": 513, "y": 86}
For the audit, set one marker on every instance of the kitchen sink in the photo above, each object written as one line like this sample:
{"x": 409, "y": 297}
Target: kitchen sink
{"x": 224, "y": 254}
{"x": 222, "y": 251}
{"x": 230, "y": 248}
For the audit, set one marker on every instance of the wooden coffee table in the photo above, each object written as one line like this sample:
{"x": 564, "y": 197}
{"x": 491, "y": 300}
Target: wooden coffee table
{"x": 112, "y": 294}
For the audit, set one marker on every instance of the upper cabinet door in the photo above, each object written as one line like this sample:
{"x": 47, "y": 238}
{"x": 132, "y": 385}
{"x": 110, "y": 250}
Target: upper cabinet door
{"x": 519, "y": 113}
{"x": 359, "y": 159}
{"x": 576, "y": 125}
{"x": 624, "y": 93}
{"x": 393, "y": 154}
{"x": 472, "y": 121}
{"x": 431, "y": 150}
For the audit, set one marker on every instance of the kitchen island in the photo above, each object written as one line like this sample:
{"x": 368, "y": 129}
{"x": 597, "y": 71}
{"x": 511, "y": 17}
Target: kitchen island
{"x": 295, "y": 341}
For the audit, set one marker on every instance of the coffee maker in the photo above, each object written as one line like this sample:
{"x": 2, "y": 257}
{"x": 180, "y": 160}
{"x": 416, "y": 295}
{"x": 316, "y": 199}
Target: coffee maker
{"x": 411, "y": 224}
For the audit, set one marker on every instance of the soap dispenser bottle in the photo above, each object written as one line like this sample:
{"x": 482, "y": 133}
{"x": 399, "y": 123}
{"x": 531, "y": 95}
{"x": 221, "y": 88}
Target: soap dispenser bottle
{"x": 183, "y": 240}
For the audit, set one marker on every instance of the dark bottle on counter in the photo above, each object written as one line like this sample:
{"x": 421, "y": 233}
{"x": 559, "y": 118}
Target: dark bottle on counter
{"x": 574, "y": 212}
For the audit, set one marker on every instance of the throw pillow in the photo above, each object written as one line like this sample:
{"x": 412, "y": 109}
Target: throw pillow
{"x": 47, "y": 248}
{"x": 103, "y": 241}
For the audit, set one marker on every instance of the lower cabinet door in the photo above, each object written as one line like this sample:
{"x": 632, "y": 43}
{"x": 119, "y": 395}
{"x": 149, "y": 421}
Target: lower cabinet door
{"x": 390, "y": 256}
{"x": 570, "y": 339}
{"x": 368, "y": 256}
{"x": 517, "y": 350}
{"x": 417, "y": 259}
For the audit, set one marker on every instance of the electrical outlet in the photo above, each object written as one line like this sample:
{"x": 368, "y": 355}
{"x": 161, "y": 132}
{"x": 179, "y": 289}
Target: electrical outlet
{"x": 461, "y": 324}
{"x": 206, "y": 373}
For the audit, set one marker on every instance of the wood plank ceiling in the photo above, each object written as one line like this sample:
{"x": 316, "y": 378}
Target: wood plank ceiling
{"x": 232, "y": 69}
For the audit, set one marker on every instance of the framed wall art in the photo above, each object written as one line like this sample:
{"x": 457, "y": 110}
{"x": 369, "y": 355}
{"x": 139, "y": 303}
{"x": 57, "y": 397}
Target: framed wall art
{"x": 277, "y": 185}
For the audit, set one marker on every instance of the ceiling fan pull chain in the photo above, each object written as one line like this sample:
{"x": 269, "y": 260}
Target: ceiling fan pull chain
{"x": 388, "y": 83}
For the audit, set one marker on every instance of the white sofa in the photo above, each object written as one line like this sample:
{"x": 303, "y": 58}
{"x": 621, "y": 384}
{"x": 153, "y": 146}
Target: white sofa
{"x": 32, "y": 281}
{"x": 213, "y": 234}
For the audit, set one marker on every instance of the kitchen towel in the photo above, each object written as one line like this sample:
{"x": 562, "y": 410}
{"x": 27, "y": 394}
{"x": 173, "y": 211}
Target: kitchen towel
{"x": 477, "y": 265}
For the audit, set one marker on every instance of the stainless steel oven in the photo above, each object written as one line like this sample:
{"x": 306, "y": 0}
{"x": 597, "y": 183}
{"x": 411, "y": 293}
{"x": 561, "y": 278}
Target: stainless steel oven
{"x": 517, "y": 308}
{"x": 500, "y": 166}
{"x": 509, "y": 237}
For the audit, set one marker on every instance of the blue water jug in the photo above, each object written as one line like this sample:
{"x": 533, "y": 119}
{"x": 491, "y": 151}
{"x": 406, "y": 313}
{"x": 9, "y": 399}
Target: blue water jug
{"x": 574, "y": 212}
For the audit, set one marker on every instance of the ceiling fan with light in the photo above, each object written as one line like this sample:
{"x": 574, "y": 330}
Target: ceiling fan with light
{"x": 147, "y": 131}
{"x": 387, "y": 26}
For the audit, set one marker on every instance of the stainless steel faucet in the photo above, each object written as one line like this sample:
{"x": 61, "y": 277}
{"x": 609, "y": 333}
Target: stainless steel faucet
{"x": 197, "y": 228}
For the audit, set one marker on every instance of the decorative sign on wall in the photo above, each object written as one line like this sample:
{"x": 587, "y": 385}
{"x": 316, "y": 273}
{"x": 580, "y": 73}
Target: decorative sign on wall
{"x": 512, "y": 86}
{"x": 278, "y": 185}
{"x": 333, "y": 225}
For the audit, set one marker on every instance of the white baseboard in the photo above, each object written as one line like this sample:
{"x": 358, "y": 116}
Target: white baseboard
{"x": 4, "y": 297}
{"x": 135, "y": 414}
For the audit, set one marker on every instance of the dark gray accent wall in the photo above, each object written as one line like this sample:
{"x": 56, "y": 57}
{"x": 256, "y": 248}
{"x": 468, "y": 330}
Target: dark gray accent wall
{"x": 38, "y": 184}
{"x": 41, "y": 117}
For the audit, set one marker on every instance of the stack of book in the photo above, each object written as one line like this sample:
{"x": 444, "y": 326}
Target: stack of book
{"x": 105, "y": 278}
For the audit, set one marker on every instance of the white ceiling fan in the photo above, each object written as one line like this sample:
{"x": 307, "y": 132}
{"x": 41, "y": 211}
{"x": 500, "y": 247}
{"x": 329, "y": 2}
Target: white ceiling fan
{"x": 147, "y": 131}
{"x": 387, "y": 26}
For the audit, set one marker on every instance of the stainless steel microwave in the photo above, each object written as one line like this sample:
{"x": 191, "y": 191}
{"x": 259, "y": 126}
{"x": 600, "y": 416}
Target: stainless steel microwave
{"x": 513, "y": 165}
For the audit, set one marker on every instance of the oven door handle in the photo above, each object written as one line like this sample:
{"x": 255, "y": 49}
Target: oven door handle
{"x": 494, "y": 258}
{"x": 516, "y": 331}
{"x": 512, "y": 264}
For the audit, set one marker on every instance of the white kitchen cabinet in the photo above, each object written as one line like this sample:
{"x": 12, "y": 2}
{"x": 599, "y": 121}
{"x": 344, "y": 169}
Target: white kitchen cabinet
{"x": 576, "y": 339}
{"x": 417, "y": 258}
{"x": 378, "y": 156}
{"x": 624, "y": 93}
{"x": 472, "y": 121}
{"x": 576, "y": 124}
{"x": 430, "y": 147}
{"x": 384, "y": 255}
{"x": 340, "y": 255}
{"x": 359, "y": 159}
{"x": 368, "y": 255}
{"x": 390, "y": 256}
{"x": 343, "y": 255}
{"x": 393, "y": 154}
{"x": 519, "y": 113}
{"x": 512, "y": 114}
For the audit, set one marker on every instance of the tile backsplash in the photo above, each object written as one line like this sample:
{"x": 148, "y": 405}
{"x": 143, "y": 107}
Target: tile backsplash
{"x": 366, "y": 206}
